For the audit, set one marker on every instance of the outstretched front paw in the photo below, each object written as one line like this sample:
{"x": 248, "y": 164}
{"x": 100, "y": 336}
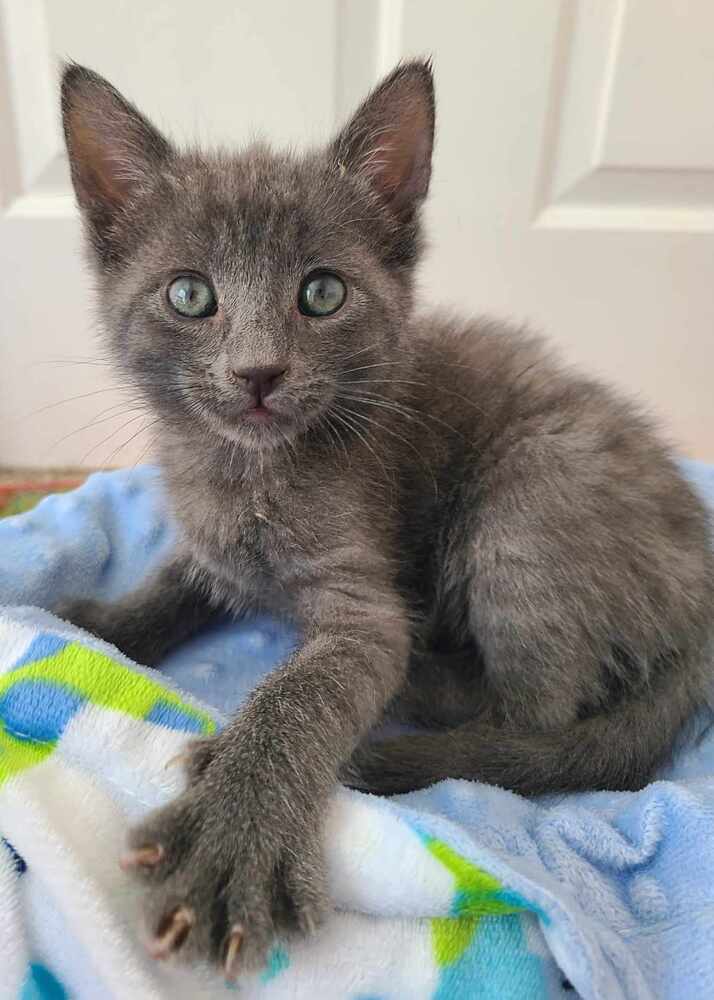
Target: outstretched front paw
{"x": 228, "y": 865}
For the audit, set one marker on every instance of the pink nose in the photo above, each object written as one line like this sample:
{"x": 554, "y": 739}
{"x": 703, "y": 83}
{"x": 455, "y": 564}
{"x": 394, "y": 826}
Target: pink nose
{"x": 260, "y": 381}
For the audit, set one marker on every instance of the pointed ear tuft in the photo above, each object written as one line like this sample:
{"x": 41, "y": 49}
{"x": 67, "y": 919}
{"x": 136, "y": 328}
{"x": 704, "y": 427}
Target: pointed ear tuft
{"x": 113, "y": 150}
{"x": 389, "y": 141}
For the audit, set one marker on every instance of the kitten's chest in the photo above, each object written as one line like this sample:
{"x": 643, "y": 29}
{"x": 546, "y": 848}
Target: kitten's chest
{"x": 248, "y": 544}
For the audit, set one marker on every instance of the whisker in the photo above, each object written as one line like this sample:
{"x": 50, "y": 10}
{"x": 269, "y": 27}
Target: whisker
{"x": 146, "y": 450}
{"x": 339, "y": 414}
{"x": 382, "y": 381}
{"x": 386, "y": 404}
{"x": 118, "y": 430}
{"x": 402, "y": 408}
{"x": 59, "y": 363}
{"x": 362, "y": 350}
{"x": 335, "y": 436}
{"x": 442, "y": 389}
{"x": 124, "y": 444}
{"x": 399, "y": 437}
{"x": 70, "y": 399}
{"x": 96, "y": 422}
{"x": 377, "y": 364}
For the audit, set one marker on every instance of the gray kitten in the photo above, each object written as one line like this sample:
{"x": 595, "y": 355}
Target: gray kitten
{"x": 471, "y": 537}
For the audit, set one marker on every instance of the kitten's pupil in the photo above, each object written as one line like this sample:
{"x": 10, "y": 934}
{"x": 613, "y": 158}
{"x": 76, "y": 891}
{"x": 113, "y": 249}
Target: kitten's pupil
{"x": 321, "y": 294}
{"x": 192, "y": 296}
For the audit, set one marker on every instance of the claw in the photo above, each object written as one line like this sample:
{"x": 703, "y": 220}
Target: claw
{"x": 308, "y": 923}
{"x": 142, "y": 857}
{"x": 178, "y": 758}
{"x": 172, "y": 932}
{"x": 235, "y": 941}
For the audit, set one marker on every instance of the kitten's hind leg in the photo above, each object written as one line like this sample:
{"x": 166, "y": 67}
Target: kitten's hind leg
{"x": 594, "y": 624}
{"x": 619, "y": 750}
{"x": 149, "y": 621}
{"x": 441, "y": 690}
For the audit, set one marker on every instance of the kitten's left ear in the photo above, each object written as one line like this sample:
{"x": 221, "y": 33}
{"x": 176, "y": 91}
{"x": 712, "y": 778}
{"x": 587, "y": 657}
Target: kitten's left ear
{"x": 389, "y": 141}
{"x": 114, "y": 151}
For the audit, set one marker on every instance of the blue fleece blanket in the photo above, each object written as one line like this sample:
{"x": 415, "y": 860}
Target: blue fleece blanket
{"x": 457, "y": 891}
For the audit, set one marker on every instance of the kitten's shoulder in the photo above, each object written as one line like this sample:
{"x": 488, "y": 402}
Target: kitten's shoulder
{"x": 478, "y": 342}
{"x": 486, "y": 359}
{"x": 522, "y": 387}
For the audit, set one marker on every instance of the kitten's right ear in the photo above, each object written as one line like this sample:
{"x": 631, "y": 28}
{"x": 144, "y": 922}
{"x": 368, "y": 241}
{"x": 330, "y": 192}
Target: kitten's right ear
{"x": 114, "y": 152}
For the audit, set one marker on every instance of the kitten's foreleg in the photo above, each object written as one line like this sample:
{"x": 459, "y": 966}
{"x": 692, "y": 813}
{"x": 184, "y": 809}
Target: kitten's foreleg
{"x": 149, "y": 621}
{"x": 249, "y": 828}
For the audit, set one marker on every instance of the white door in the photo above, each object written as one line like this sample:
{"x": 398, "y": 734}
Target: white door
{"x": 573, "y": 185}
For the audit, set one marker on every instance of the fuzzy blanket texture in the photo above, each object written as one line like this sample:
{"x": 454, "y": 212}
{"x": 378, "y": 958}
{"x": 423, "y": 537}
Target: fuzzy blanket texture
{"x": 458, "y": 891}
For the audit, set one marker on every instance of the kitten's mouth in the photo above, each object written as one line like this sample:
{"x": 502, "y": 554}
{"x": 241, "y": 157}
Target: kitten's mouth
{"x": 259, "y": 414}
{"x": 261, "y": 425}
{"x": 255, "y": 426}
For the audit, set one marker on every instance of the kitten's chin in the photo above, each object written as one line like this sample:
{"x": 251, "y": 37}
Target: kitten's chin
{"x": 258, "y": 433}
{"x": 256, "y": 436}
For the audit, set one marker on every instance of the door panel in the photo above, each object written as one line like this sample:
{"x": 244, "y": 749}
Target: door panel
{"x": 569, "y": 194}
{"x": 573, "y": 185}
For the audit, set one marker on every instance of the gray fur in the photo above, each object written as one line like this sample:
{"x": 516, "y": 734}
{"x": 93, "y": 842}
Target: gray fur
{"x": 469, "y": 535}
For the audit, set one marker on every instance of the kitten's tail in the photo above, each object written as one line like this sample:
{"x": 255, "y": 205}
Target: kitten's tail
{"x": 618, "y": 750}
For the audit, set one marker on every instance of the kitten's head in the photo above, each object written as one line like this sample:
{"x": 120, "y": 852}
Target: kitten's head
{"x": 249, "y": 296}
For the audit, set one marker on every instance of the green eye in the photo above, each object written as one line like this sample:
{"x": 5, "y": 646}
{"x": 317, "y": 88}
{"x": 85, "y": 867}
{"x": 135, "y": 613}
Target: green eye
{"x": 192, "y": 296}
{"x": 321, "y": 294}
